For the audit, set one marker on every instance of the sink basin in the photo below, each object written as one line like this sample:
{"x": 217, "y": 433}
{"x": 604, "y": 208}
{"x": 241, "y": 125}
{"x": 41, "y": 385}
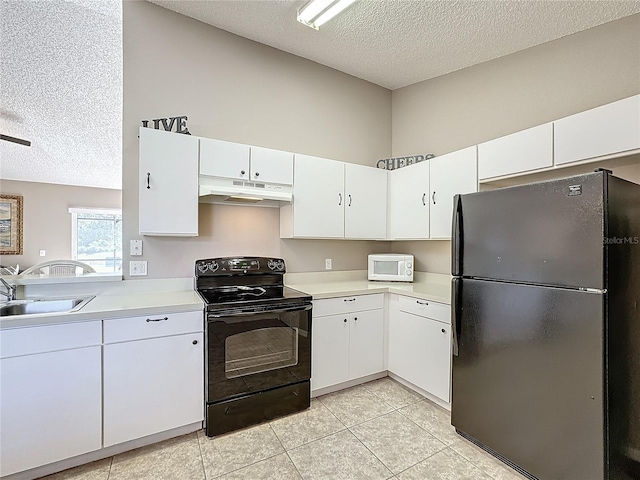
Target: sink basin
{"x": 54, "y": 305}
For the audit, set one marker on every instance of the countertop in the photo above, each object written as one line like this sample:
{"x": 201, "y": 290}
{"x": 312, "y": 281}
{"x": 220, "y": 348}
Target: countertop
{"x": 153, "y": 297}
{"x": 426, "y": 286}
{"x": 121, "y": 301}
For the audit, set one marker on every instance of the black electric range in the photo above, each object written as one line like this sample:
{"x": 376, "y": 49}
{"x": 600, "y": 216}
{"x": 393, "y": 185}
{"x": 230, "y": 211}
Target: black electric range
{"x": 258, "y": 342}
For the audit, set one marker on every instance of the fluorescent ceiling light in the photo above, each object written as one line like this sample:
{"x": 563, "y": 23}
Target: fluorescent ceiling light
{"x": 242, "y": 199}
{"x": 318, "y": 12}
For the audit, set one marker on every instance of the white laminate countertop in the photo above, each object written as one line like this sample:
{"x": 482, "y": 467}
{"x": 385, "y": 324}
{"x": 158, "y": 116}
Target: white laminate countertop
{"x": 426, "y": 286}
{"x": 159, "y": 297}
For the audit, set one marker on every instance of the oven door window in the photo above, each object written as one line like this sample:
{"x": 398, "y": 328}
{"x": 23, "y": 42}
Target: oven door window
{"x": 261, "y": 350}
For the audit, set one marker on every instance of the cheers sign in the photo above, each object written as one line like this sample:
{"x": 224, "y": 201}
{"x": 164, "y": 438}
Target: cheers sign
{"x": 399, "y": 162}
{"x": 167, "y": 124}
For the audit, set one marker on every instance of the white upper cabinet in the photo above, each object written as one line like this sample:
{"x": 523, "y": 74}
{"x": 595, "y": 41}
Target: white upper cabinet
{"x": 243, "y": 162}
{"x": 519, "y": 152}
{"x": 409, "y": 202}
{"x": 451, "y": 174}
{"x": 168, "y": 183}
{"x": 365, "y": 202}
{"x": 224, "y": 159}
{"x": 606, "y": 130}
{"x": 317, "y": 210}
{"x": 271, "y": 166}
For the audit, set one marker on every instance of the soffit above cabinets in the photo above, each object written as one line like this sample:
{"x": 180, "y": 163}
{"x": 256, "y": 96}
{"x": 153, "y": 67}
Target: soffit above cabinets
{"x": 395, "y": 43}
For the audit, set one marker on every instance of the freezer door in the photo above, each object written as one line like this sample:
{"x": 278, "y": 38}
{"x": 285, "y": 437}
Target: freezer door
{"x": 548, "y": 233}
{"x": 528, "y": 378}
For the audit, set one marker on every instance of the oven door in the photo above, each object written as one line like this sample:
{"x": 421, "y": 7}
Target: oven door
{"x": 250, "y": 352}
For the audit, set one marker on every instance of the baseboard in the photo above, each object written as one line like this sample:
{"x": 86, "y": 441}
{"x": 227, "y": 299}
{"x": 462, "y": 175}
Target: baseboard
{"x": 424, "y": 393}
{"x": 102, "y": 453}
{"x": 351, "y": 383}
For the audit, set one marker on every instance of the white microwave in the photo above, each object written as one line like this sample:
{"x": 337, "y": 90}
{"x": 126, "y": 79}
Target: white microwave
{"x": 391, "y": 267}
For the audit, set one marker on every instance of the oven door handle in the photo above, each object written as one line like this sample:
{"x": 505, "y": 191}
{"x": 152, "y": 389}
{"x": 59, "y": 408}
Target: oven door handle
{"x": 298, "y": 308}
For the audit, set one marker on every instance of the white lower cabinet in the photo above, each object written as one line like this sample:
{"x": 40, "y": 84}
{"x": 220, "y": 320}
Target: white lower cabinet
{"x": 50, "y": 394}
{"x": 152, "y": 384}
{"x": 420, "y": 345}
{"x": 347, "y": 343}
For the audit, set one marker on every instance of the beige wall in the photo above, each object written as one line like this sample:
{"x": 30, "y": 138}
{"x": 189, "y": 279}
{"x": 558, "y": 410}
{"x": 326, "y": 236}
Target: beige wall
{"x": 527, "y": 88}
{"x": 46, "y": 217}
{"x": 234, "y": 89}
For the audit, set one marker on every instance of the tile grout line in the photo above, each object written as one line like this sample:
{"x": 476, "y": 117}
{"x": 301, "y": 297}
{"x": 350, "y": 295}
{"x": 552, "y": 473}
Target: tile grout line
{"x": 204, "y": 470}
{"x": 110, "y": 465}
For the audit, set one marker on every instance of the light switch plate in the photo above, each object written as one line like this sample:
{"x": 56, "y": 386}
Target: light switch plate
{"x": 43, "y": 253}
{"x": 135, "y": 248}
{"x": 138, "y": 268}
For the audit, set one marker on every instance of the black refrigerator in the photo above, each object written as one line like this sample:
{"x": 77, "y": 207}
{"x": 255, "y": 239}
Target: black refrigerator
{"x": 546, "y": 326}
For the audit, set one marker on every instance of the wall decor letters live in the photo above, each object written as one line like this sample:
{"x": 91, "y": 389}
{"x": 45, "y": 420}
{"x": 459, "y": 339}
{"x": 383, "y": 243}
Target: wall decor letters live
{"x": 167, "y": 124}
{"x": 399, "y": 162}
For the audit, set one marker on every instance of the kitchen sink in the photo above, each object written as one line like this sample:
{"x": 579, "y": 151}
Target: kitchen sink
{"x": 51, "y": 305}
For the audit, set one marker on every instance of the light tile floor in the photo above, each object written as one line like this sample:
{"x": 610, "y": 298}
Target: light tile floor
{"x": 377, "y": 430}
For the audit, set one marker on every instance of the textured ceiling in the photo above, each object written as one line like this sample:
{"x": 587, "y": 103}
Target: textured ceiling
{"x": 61, "y": 88}
{"x": 61, "y": 61}
{"x": 394, "y": 43}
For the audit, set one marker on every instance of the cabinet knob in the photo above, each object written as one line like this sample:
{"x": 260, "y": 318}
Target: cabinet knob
{"x": 355, "y": 319}
{"x": 195, "y": 342}
{"x": 242, "y": 172}
{"x": 444, "y": 331}
{"x": 257, "y": 174}
{"x": 345, "y": 320}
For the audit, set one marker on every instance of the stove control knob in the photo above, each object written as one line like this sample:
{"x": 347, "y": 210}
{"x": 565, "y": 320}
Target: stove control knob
{"x": 276, "y": 265}
{"x": 202, "y": 267}
{"x": 214, "y": 266}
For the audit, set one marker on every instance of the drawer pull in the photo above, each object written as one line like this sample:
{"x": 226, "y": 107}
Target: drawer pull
{"x": 355, "y": 319}
{"x": 422, "y": 303}
{"x": 157, "y": 319}
{"x": 349, "y": 299}
{"x": 195, "y": 342}
{"x": 345, "y": 320}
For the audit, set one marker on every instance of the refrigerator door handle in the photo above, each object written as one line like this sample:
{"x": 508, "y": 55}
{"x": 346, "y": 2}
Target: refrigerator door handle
{"x": 456, "y": 304}
{"x": 456, "y": 237}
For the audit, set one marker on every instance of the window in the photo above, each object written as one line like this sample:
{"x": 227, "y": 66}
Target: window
{"x": 96, "y": 238}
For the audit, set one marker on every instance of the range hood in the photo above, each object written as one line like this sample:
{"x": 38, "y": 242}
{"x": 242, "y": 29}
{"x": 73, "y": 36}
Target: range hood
{"x": 229, "y": 190}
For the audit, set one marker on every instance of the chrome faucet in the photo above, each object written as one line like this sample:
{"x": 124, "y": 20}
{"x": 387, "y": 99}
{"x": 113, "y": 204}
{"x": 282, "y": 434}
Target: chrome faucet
{"x": 11, "y": 290}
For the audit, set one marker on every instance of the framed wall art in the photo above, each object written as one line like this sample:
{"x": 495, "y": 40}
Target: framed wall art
{"x": 10, "y": 224}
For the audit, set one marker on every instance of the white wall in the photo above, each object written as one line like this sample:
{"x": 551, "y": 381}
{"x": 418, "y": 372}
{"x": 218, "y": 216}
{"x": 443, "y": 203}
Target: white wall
{"x": 235, "y": 89}
{"x": 46, "y": 217}
{"x": 518, "y": 91}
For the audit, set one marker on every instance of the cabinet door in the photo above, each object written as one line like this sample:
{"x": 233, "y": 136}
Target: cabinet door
{"x": 366, "y": 202}
{"x": 451, "y": 174}
{"x": 519, "y": 152}
{"x": 168, "y": 187}
{"x": 318, "y": 198}
{"x": 366, "y": 343}
{"x": 605, "y": 130}
{"x": 152, "y": 385}
{"x": 436, "y": 378}
{"x": 420, "y": 352}
{"x": 329, "y": 351}
{"x": 224, "y": 159}
{"x": 271, "y": 166}
{"x": 409, "y": 202}
{"x": 50, "y": 407}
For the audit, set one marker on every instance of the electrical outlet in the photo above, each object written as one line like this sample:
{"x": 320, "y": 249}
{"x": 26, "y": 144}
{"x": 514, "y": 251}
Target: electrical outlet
{"x": 138, "y": 268}
{"x": 43, "y": 253}
{"x": 327, "y": 264}
{"x": 135, "y": 248}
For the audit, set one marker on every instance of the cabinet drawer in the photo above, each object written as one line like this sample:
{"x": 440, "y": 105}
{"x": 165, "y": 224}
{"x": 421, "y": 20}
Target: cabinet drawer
{"x": 49, "y": 338}
{"x": 151, "y": 326}
{"x": 335, "y": 306}
{"x": 426, "y": 308}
